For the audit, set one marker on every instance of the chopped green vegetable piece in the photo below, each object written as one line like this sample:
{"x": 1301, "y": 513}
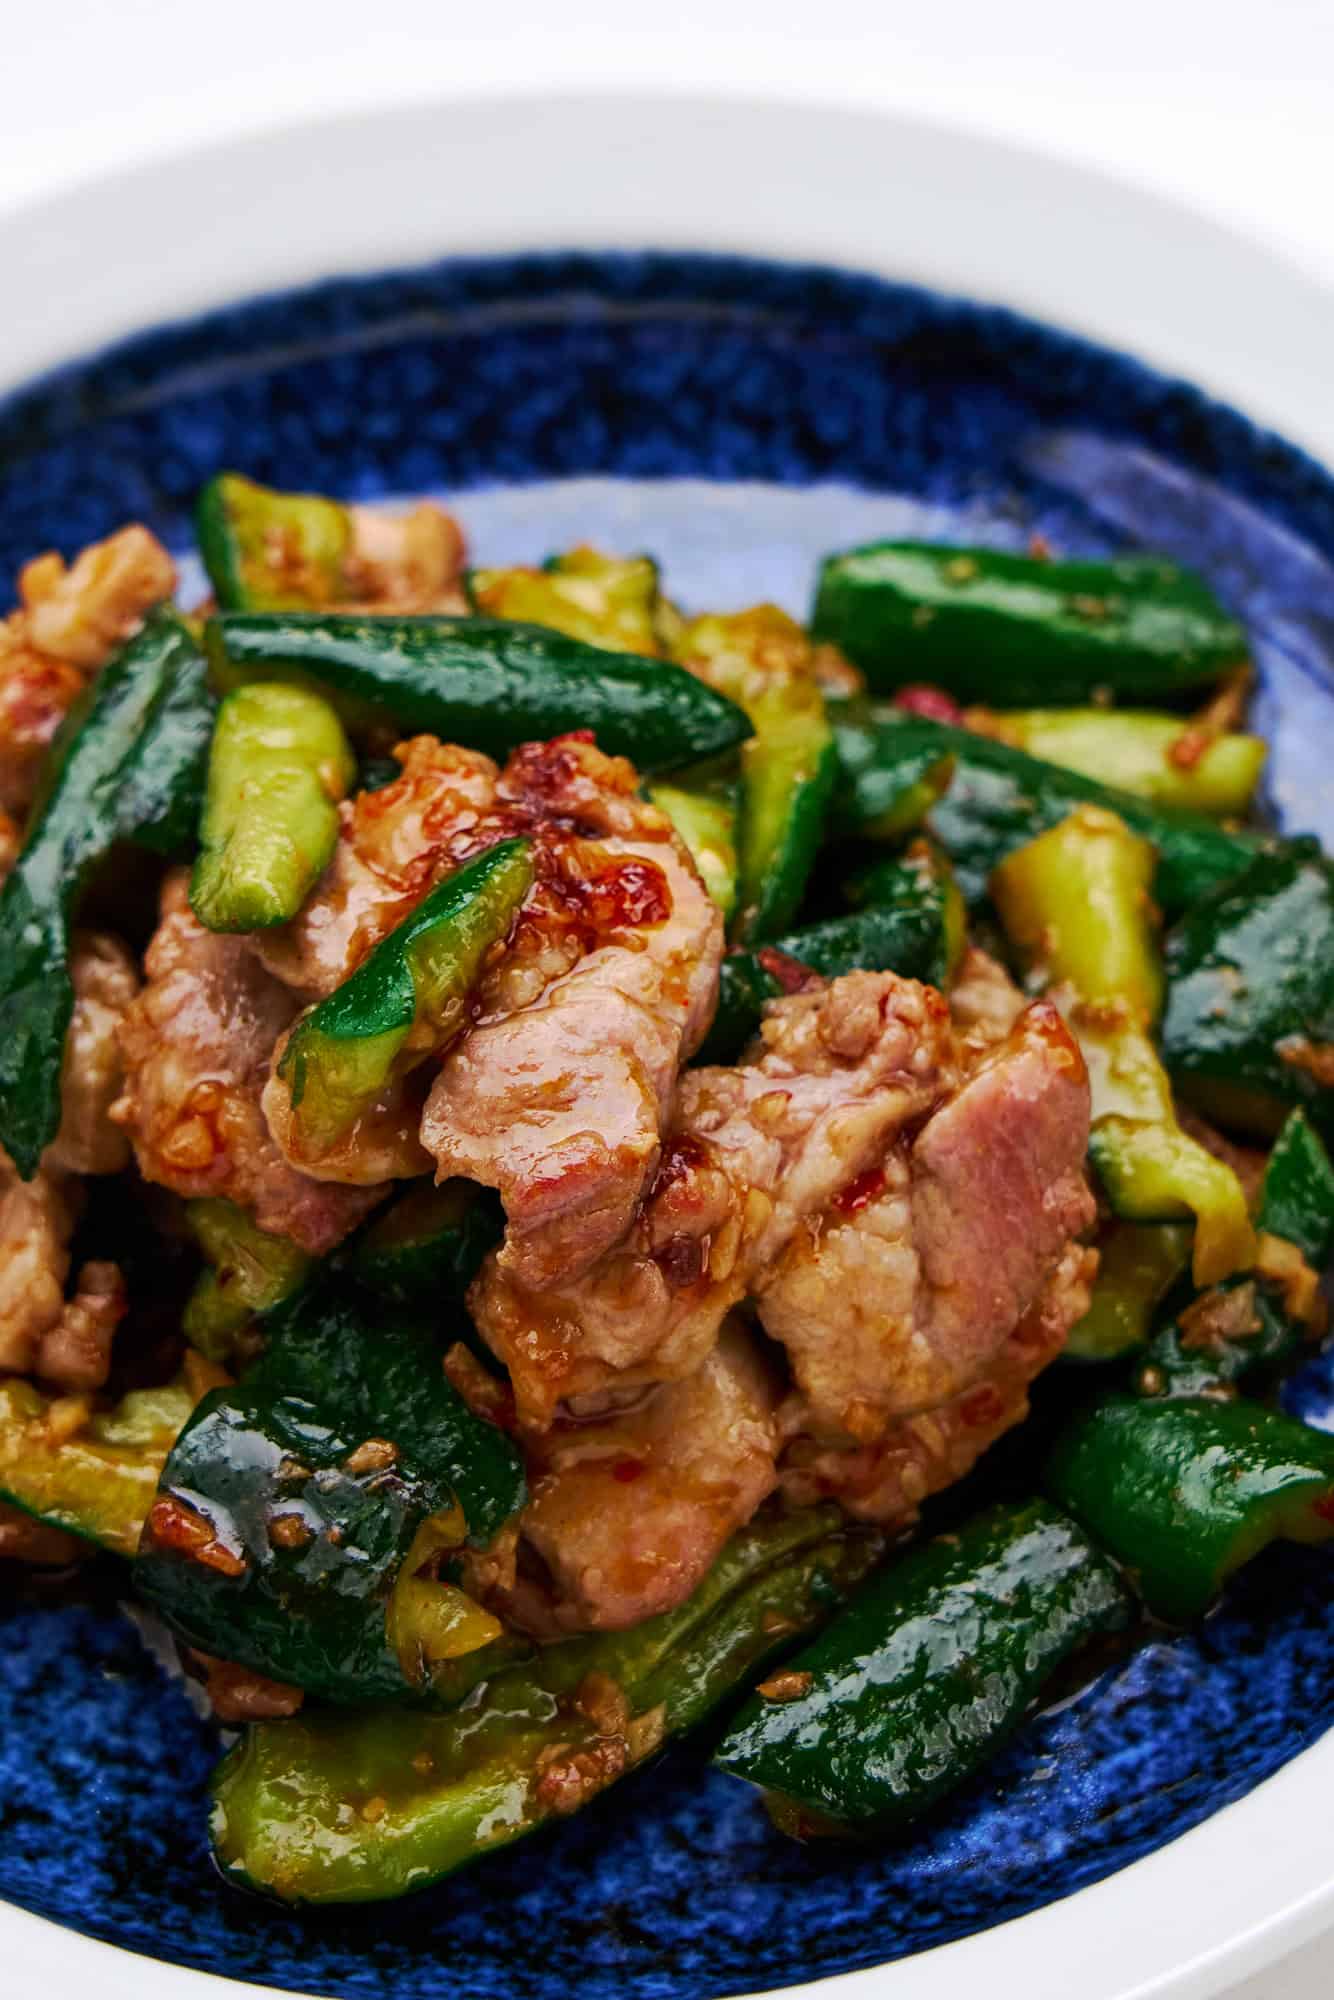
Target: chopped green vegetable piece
{"x": 912, "y": 924}
{"x": 291, "y": 1500}
{"x": 429, "y": 1244}
{"x": 1183, "y": 1493}
{"x": 128, "y": 766}
{"x": 1138, "y": 1263}
{"x": 1297, "y": 1202}
{"x": 278, "y": 767}
{"x": 1248, "y": 1029}
{"x": 762, "y": 661}
{"x": 886, "y": 784}
{"x": 912, "y": 1688}
{"x": 251, "y": 1272}
{"x": 100, "y": 1482}
{"x": 992, "y": 626}
{"x": 405, "y": 1001}
{"x": 447, "y": 1789}
{"x": 608, "y": 601}
{"x": 706, "y": 822}
{"x": 1255, "y": 1326}
{"x": 921, "y": 882}
{"x": 1157, "y": 757}
{"x": 1075, "y": 903}
{"x": 481, "y": 681}
{"x": 271, "y": 551}
{"x": 997, "y": 798}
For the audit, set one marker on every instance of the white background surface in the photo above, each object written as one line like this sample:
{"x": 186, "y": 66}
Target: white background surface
{"x": 1226, "y": 104}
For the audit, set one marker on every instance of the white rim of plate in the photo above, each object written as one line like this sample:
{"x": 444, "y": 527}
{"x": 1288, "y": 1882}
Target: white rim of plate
{"x": 877, "y": 192}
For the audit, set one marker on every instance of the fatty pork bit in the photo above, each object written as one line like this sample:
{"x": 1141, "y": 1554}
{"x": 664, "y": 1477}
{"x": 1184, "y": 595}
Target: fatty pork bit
{"x": 630, "y": 1506}
{"x": 68, "y": 624}
{"x": 557, "y": 1092}
{"x": 908, "y": 1237}
{"x": 67, "y": 1342}
{"x": 197, "y": 1044}
{"x": 405, "y": 563}
{"x": 752, "y": 1152}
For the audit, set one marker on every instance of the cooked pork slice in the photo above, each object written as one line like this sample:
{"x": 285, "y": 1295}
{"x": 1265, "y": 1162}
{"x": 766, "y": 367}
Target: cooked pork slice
{"x": 897, "y": 1298}
{"x": 985, "y": 1003}
{"x": 629, "y": 1508}
{"x": 197, "y": 1044}
{"x": 393, "y": 846}
{"x": 68, "y": 624}
{"x": 105, "y": 981}
{"x": 753, "y": 1152}
{"x": 22, "y": 1539}
{"x": 75, "y": 1355}
{"x": 558, "y": 1093}
{"x": 888, "y": 1480}
{"x": 406, "y": 562}
{"x": 37, "y": 1219}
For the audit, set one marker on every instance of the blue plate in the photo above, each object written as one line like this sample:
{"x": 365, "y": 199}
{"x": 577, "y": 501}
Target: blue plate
{"x": 737, "y": 418}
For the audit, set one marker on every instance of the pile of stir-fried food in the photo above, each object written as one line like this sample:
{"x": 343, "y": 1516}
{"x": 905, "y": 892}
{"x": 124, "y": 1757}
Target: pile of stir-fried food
{"x": 540, "y": 1131}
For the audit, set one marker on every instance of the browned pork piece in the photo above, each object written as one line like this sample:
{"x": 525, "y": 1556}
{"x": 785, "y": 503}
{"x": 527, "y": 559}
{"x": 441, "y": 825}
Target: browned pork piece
{"x": 22, "y": 1539}
{"x": 630, "y": 1506}
{"x": 105, "y": 981}
{"x": 887, "y": 1480}
{"x": 197, "y": 1044}
{"x": 753, "y": 1151}
{"x": 66, "y": 1343}
{"x": 896, "y": 1299}
{"x": 985, "y": 1003}
{"x": 68, "y": 624}
{"x": 557, "y": 1092}
{"x": 393, "y": 846}
{"x": 406, "y": 563}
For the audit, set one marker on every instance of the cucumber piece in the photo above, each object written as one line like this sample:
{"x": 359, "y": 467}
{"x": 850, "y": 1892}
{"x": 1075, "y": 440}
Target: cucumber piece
{"x": 429, "y": 1244}
{"x": 482, "y": 682}
{"x": 1248, "y": 1030}
{"x": 101, "y": 1482}
{"x": 915, "y": 1685}
{"x": 1014, "y": 629}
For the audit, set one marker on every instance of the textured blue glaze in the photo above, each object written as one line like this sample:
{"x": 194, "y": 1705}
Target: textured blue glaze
{"x": 576, "y": 395}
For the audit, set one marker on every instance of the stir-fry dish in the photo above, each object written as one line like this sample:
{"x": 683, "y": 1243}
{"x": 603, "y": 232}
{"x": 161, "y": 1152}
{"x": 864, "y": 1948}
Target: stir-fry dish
{"x": 543, "y": 1133}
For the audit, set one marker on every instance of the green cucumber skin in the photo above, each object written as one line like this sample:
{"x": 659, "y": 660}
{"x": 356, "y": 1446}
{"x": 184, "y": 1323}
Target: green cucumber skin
{"x": 1183, "y": 1492}
{"x": 910, "y": 940}
{"x": 439, "y": 1261}
{"x": 128, "y": 765}
{"x": 336, "y": 1371}
{"x": 1248, "y": 967}
{"x": 277, "y": 1825}
{"x": 1298, "y": 1200}
{"x": 914, "y": 1686}
{"x": 1297, "y": 1203}
{"x": 483, "y": 682}
{"x": 999, "y": 798}
{"x": 776, "y": 897}
{"x": 1013, "y": 630}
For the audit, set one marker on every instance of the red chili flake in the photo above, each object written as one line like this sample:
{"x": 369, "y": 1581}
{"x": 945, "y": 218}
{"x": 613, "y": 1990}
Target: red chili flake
{"x": 681, "y": 1156}
{"x": 859, "y": 1193}
{"x": 1323, "y": 1508}
{"x": 173, "y": 1525}
{"x": 682, "y": 1259}
{"x": 983, "y": 1406}
{"x": 624, "y": 895}
{"x": 932, "y": 703}
{"x": 789, "y": 972}
{"x": 627, "y": 1470}
{"x": 1039, "y": 548}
